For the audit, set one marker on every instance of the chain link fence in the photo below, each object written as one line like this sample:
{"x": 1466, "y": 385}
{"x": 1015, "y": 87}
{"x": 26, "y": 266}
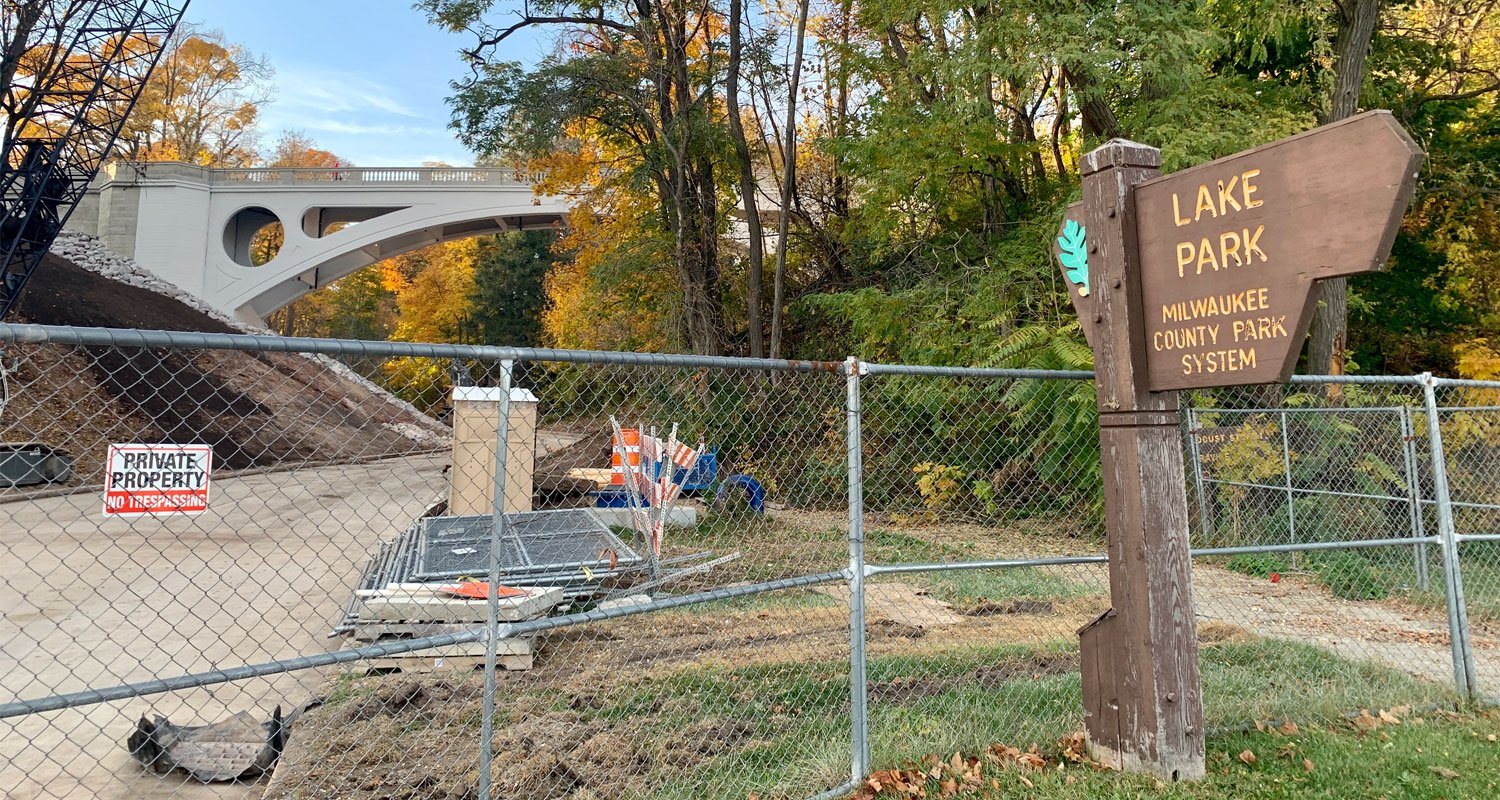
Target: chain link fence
{"x": 870, "y": 563}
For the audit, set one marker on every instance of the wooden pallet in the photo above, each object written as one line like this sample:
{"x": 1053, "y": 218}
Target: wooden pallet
{"x": 512, "y": 654}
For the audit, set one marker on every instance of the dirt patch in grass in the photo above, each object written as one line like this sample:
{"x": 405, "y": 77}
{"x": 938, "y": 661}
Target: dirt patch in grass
{"x": 889, "y": 628}
{"x": 1023, "y": 605}
{"x": 410, "y": 698}
{"x": 1035, "y": 666}
{"x": 1216, "y": 632}
{"x": 703, "y": 740}
{"x": 669, "y": 704}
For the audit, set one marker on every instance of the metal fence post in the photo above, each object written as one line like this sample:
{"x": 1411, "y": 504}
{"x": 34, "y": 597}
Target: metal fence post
{"x": 859, "y": 739}
{"x": 1205, "y": 522}
{"x": 1291, "y": 505}
{"x": 1413, "y": 492}
{"x": 1453, "y": 584}
{"x": 492, "y": 618}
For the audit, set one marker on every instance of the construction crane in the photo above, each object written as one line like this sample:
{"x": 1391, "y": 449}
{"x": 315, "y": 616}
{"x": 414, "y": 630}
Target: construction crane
{"x": 70, "y": 73}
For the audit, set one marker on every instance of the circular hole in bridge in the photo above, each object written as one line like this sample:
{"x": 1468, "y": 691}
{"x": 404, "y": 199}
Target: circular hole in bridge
{"x": 253, "y": 236}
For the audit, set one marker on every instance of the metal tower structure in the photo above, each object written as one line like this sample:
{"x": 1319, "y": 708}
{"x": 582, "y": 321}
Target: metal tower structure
{"x": 72, "y": 71}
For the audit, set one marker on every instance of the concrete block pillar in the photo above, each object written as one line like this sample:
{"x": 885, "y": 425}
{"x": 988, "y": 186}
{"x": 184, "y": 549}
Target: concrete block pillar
{"x": 471, "y": 481}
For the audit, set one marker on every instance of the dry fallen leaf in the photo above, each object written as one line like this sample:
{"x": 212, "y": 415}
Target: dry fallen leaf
{"x": 1444, "y": 772}
{"x": 1288, "y": 728}
{"x": 1248, "y": 757}
{"x": 1490, "y": 738}
{"x": 1388, "y": 717}
{"x": 1307, "y": 765}
{"x": 1028, "y": 783}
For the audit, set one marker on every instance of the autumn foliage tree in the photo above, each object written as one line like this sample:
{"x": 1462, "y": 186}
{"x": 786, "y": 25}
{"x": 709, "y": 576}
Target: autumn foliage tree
{"x": 201, "y": 105}
{"x": 644, "y": 77}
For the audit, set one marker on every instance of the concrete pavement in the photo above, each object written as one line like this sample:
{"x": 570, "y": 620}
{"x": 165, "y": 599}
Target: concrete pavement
{"x": 93, "y": 602}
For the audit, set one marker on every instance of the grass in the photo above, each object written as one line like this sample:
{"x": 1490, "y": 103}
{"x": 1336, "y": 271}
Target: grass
{"x": 785, "y": 600}
{"x": 1383, "y": 573}
{"x": 789, "y": 721}
{"x": 971, "y": 586}
{"x": 1242, "y": 682}
{"x": 1439, "y": 755}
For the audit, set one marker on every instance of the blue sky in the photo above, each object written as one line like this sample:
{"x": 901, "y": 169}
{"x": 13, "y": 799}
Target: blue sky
{"x": 365, "y": 79}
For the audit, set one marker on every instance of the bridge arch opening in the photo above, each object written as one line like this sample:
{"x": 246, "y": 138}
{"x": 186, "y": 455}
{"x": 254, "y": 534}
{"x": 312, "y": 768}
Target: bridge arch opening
{"x": 253, "y": 236}
{"x": 320, "y": 221}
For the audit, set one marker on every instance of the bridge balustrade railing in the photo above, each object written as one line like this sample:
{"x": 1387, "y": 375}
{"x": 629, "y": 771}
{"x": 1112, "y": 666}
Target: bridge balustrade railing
{"x": 407, "y": 175}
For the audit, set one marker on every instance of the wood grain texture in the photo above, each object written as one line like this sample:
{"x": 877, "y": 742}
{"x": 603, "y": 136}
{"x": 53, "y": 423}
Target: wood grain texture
{"x": 1257, "y": 229}
{"x": 1150, "y": 653}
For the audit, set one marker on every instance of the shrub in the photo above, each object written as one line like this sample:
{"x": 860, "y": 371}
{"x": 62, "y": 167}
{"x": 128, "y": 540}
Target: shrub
{"x": 1257, "y": 565}
{"x": 1350, "y": 575}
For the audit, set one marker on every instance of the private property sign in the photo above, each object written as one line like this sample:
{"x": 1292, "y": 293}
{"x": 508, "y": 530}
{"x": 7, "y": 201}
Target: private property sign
{"x": 157, "y": 479}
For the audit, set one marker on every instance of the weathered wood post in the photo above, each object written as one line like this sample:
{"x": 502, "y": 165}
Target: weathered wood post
{"x": 1142, "y": 694}
{"x": 1200, "y": 279}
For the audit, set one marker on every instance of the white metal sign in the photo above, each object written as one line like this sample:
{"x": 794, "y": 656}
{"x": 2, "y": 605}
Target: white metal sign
{"x": 157, "y": 479}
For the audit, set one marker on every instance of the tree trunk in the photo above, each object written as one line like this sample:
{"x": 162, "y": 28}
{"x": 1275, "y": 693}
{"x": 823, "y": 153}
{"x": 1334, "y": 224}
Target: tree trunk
{"x": 1099, "y": 120}
{"x": 690, "y": 202}
{"x": 789, "y": 175}
{"x": 1060, "y": 129}
{"x": 754, "y": 329}
{"x": 1330, "y": 322}
{"x": 698, "y": 267}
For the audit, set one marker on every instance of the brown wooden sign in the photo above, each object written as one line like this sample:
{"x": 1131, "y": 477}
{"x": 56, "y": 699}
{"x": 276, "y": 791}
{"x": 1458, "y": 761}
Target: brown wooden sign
{"x": 1201, "y": 278}
{"x": 1229, "y": 250}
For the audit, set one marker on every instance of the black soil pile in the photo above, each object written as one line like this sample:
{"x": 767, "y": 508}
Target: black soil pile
{"x": 255, "y": 409}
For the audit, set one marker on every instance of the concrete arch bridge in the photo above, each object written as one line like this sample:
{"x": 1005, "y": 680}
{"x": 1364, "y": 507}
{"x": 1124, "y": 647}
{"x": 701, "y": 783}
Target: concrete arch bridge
{"x": 193, "y": 226}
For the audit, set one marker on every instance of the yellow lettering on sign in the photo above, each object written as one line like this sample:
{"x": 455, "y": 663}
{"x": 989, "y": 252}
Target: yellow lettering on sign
{"x": 1252, "y": 242}
{"x": 1226, "y": 195}
{"x": 1214, "y": 305}
{"x": 1229, "y": 245}
{"x": 1254, "y": 329}
{"x": 1206, "y": 256}
{"x": 1214, "y": 361}
{"x": 1221, "y": 203}
{"x": 1247, "y": 189}
{"x": 1205, "y": 203}
{"x": 1184, "y": 252}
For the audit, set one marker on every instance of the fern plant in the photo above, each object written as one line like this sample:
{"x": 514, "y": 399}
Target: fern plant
{"x": 1058, "y": 418}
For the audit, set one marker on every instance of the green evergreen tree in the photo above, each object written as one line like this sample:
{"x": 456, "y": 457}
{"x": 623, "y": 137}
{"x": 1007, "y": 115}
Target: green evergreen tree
{"x": 508, "y": 296}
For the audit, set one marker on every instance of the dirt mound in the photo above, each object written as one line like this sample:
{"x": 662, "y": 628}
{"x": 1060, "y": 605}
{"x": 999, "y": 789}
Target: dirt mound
{"x": 254, "y": 409}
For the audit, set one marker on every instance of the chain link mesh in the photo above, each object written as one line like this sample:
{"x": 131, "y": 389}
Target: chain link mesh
{"x": 1310, "y": 602}
{"x": 348, "y": 492}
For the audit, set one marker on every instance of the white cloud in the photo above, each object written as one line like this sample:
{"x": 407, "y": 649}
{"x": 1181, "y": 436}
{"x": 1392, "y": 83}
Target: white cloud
{"x": 365, "y": 121}
{"x": 371, "y": 129}
{"x": 332, "y": 92}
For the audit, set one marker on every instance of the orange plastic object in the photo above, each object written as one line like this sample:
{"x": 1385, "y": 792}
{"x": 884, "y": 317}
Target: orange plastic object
{"x": 632, "y": 453}
{"x": 480, "y": 590}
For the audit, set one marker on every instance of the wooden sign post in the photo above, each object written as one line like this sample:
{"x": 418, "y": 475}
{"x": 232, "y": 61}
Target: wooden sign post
{"x": 1201, "y": 278}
